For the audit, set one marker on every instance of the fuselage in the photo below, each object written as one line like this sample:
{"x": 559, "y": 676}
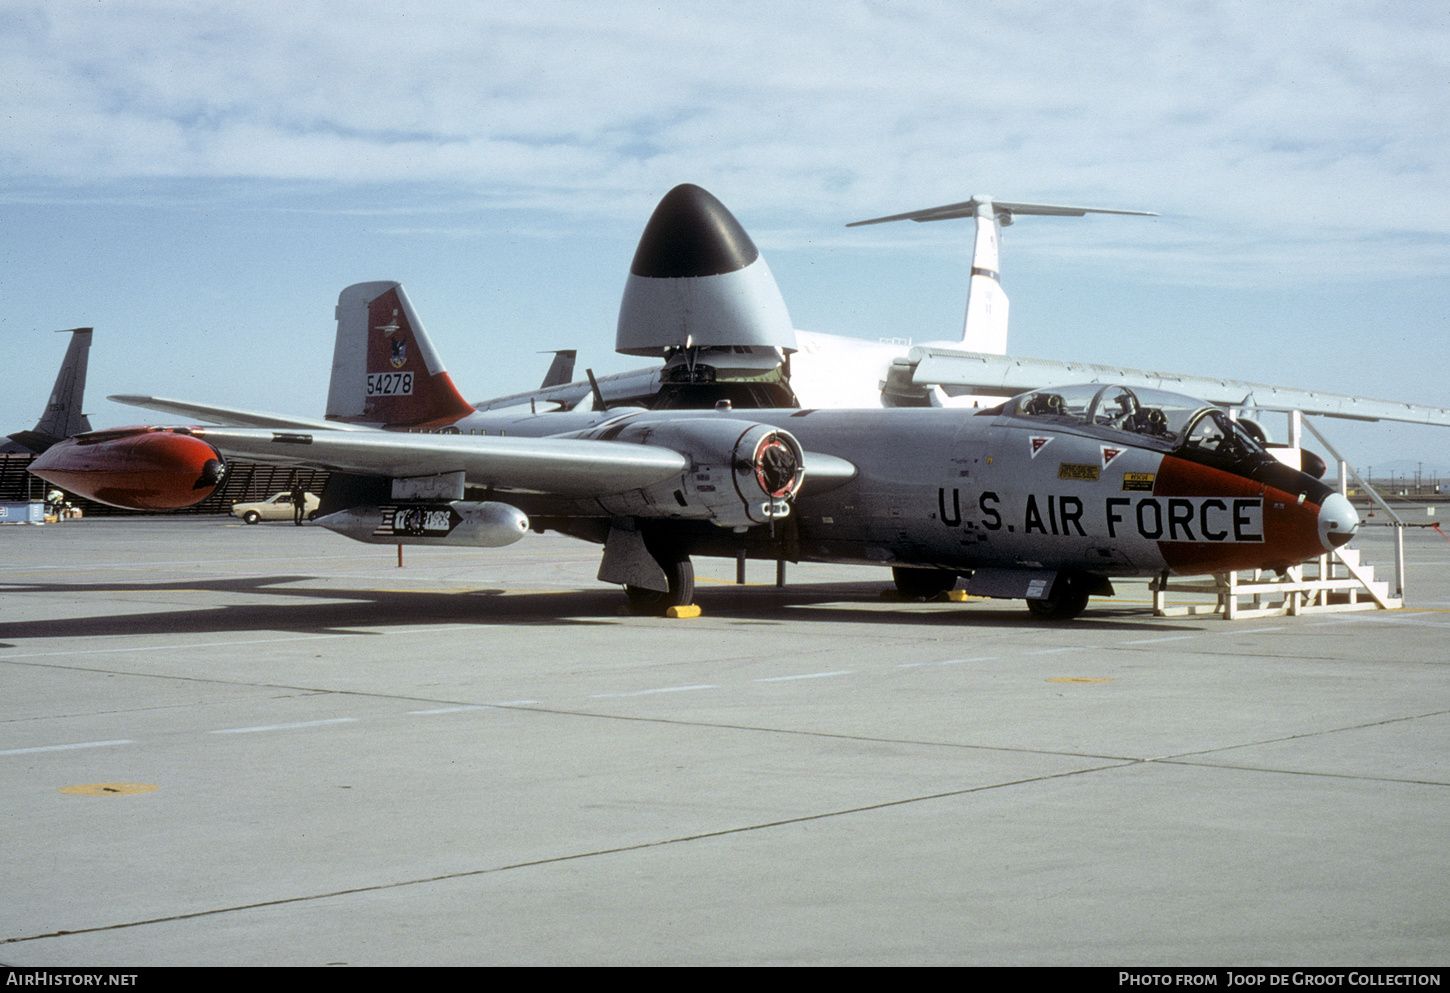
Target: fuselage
{"x": 1168, "y": 485}
{"x": 1090, "y": 480}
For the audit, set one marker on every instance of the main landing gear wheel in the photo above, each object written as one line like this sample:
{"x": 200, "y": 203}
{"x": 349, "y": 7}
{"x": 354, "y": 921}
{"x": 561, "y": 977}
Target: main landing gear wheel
{"x": 1070, "y": 598}
{"x": 925, "y": 583}
{"x": 680, "y": 571}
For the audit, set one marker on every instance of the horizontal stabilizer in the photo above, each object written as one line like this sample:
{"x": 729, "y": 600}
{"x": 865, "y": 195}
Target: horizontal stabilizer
{"x": 1006, "y": 375}
{"x": 969, "y": 208}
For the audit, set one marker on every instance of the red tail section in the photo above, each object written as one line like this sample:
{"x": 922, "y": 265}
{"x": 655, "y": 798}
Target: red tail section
{"x": 384, "y": 368}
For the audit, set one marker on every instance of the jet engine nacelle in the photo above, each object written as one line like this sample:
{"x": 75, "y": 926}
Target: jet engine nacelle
{"x": 740, "y": 473}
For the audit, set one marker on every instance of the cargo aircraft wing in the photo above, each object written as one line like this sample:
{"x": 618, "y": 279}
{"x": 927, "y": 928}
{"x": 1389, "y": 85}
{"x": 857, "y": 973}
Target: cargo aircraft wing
{"x": 1006, "y": 375}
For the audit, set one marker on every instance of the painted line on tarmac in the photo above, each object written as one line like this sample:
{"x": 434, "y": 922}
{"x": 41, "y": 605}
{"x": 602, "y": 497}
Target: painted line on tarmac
{"x": 662, "y": 689}
{"x": 284, "y": 727}
{"x": 239, "y": 644}
{"x": 450, "y": 710}
{"x": 162, "y": 648}
{"x": 1156, "y": 641}
{"x": 807, "y": 675}
{"x": 66, "y": 748}
{"x": 917, "y": 665}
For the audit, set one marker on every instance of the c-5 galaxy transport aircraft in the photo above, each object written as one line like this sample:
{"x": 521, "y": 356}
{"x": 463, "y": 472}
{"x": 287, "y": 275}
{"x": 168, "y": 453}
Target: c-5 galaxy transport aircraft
{"x": 701, "y": 297}
{"x": 1046, "y": 497}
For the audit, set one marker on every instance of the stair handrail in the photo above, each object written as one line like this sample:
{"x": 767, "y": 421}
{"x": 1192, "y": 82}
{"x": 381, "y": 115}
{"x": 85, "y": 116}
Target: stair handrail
{"x": 1399, "y": 524}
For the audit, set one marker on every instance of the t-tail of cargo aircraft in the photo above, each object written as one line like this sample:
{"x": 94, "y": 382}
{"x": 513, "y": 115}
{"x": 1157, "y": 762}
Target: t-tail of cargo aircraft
{"x": 834, "y": 371}
{"x": 984, "y": 329}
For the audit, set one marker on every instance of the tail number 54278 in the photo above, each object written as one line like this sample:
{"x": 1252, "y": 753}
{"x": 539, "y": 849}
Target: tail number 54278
{"x": 390, "y": 384}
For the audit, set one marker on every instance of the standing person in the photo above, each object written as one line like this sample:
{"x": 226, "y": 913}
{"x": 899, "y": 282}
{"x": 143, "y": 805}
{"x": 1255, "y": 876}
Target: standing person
{"x": 299, "y": 503}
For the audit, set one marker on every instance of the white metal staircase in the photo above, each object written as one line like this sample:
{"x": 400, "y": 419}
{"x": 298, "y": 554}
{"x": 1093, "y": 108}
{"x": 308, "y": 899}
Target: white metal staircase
{"x": 1334, "y": 582}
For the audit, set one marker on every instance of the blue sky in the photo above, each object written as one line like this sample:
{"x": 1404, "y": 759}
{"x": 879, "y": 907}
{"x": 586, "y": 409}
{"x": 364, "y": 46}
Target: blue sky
{"x": 199, "y": 180}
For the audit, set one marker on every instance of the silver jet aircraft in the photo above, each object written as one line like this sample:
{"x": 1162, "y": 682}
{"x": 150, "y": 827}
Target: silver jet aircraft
{"x": 1046, "y": 497}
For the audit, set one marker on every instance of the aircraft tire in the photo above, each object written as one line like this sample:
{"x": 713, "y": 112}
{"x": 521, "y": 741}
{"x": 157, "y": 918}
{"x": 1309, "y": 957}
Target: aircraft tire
{"x": 925, "y": 583}
{"x": 680, "y": 572}
{"x": 1068, "y": 603}
{"x": 251, "y": 517}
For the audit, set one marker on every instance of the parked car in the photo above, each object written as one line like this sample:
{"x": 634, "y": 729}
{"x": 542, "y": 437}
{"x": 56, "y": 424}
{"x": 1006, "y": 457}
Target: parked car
{"x": 277, "y": 507}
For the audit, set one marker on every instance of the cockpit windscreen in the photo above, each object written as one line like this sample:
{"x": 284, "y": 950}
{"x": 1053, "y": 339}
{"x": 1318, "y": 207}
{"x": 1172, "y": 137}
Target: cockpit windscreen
{"x": 1172, "y": 419}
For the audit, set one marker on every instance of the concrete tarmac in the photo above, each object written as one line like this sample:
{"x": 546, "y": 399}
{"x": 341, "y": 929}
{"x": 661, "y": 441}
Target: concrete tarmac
{"x": 476, "y": 759}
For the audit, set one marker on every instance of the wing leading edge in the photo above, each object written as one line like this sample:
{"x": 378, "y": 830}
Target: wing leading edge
{"x": 232, "y": 416}
{"x": 562, "y": 466}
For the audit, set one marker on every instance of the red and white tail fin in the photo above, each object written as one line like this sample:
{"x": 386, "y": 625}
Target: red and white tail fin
{"x": 384, "y": 368}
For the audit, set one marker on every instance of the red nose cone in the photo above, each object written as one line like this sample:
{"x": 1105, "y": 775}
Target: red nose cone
{"x": 137, "y": 468}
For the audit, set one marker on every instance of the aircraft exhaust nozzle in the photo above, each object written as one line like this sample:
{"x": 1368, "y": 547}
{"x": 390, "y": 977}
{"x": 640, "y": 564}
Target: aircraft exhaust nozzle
{"x": 478, "y": 524}
{"x": 698, "y": 281}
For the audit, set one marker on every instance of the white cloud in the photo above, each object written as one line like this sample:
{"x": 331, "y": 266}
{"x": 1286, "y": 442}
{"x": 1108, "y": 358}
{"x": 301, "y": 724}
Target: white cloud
{"x": 1320, "y": 123}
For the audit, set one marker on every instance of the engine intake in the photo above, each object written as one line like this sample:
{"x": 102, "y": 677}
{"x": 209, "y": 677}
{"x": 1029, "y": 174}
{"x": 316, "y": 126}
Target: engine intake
{"x": 740, "y": 473}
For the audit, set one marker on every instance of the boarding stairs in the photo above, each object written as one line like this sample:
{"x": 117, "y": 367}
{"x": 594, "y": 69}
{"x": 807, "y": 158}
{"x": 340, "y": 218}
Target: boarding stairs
{"x": 1337, "y": 581}
{"x": 1334, "y": 582}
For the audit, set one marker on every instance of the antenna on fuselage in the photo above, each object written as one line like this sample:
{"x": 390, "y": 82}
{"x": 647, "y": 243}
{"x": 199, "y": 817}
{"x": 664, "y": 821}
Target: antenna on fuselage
{"x": 984, "y": 329}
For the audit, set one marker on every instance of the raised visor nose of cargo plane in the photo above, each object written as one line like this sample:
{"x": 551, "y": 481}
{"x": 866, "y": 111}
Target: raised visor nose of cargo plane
{"x": 698, "y": 282}
{"x": 692, "y": 234}
{"x": 1338, "y": 521}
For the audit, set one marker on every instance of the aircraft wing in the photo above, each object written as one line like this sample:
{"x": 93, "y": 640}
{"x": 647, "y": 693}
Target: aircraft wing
{"x": 231, "y": 416}
{"x": 567, "y": 467}
{"x": 1006, "y": 375}
{"x": 562, "y": 466}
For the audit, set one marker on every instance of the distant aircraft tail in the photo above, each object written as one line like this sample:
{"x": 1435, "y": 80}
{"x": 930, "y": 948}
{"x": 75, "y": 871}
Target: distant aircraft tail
{"x": 561, "y": 370}
{"x": 384, "y": 368}
{"x": 63, "y": 417}
{"x": 985, "y": 326}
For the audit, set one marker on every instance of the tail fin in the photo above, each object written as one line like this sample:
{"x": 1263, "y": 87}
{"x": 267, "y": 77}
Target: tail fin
{"x": 561, "y": 370}
{"x": 384, "y": 368}
{"x": 63, "y": 417}
{"x": 985, "y": 326}
{"x": 984, "y": 329}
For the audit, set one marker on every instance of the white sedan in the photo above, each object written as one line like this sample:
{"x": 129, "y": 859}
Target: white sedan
{"x": 277, "y": 507}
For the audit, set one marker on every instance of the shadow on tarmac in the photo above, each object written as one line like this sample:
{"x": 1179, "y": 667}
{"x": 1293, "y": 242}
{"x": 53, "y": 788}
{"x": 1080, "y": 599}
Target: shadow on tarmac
{"x": 337, "y": 609}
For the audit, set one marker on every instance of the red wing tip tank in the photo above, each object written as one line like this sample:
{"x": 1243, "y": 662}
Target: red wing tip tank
{"x": 139, "y": 468}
